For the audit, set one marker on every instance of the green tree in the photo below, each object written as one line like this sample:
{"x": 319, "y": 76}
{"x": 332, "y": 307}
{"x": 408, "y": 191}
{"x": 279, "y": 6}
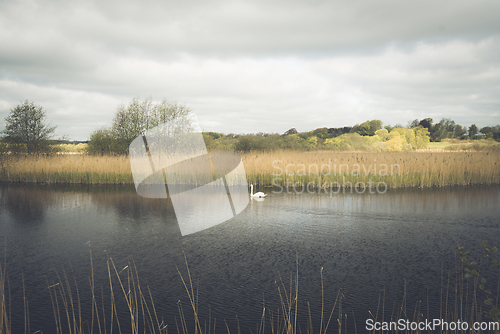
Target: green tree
{"x": 444, "y": 129}
{"x": 312, "y": 142}
{"x": 382, "y": 133}
{"x": 473, "y": 130}
{"x": 459, "y": 131}
{"x": 421, "y": 137}
{"x": 485, "y": 130}
{"x": 413, "y": 124}
{"x": 321, "y": 133}
{"x": 247, "y": 143}
{"x": 374, "y": 126}
{"x": 101, "y": 142}
{"x": 363, "y": 129}
{"x": 293, "y": 142}
{"x": 26, "y": 125}
{"x": 426, "y": 123}
{"x": 367, "y": 128}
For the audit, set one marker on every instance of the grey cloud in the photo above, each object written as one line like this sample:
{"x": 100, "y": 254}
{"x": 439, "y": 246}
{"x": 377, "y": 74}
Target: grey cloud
{"x": 256, "y": 27}
{"x": 290, "y": 63}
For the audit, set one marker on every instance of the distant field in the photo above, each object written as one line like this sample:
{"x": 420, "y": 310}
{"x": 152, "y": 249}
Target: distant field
{"x": 438, "y": 145}
{"x": 318, "y": 168}
{"x": 71, "y": 148}
{"x": 464, "y": 145}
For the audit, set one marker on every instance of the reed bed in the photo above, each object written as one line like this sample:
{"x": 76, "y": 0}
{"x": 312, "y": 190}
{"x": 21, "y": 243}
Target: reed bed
{"x": 285, "y": 168}
{"x": 396, "y": 170}
{"x": 79, "y": 169}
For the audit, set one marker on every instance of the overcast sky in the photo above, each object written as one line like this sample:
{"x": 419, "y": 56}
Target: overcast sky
{"x": 253, "y": 66}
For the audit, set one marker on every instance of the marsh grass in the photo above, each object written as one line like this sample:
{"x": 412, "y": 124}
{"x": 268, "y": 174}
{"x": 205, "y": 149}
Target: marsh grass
{"x": 398, "y": 169}
{"x": 80, "y": 169}
{"x": 282, "y": 168}
{"x": 460, "y": 299}
{"x": 141, "y": 316}
{"x": 465, "y": 145}
{"x": 5, "y": 326}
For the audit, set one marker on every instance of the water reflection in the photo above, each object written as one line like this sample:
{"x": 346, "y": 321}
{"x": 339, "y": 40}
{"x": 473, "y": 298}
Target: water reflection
{"x": 446, "y": 201}
{"x": 27, "y": 204}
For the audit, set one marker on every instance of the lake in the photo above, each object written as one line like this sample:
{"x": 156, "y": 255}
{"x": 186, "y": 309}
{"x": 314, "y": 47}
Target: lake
{"x": 367, "y": 244}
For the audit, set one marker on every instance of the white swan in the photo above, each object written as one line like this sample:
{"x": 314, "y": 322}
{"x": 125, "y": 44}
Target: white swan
{"x": 259, "y": 194}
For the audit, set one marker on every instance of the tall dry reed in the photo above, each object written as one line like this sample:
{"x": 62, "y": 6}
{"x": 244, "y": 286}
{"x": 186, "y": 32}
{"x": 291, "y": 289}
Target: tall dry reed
{"x": 459, "y": 300}
{"x": 5, "y": 326}
{"x": 83, "y": 169}
{"x": 396, "y": 169}
{"x": 140, "y": 315}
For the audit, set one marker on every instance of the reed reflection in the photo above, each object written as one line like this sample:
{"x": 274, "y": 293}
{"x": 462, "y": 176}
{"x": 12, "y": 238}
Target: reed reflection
{"x": 27, "y": 205}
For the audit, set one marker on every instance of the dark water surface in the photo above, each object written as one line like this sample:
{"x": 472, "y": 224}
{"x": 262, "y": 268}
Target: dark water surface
{"x": 366, "y": 243}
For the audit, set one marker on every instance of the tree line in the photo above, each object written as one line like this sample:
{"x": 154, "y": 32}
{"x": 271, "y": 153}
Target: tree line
{"x": 446, "y": 128}
{"x": 26, "y": 130}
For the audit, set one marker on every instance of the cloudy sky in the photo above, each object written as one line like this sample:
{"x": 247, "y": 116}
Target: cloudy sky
{"x": 253, "y": 66}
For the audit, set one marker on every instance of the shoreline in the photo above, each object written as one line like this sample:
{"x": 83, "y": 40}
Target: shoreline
{"x": 304, "y": 184}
